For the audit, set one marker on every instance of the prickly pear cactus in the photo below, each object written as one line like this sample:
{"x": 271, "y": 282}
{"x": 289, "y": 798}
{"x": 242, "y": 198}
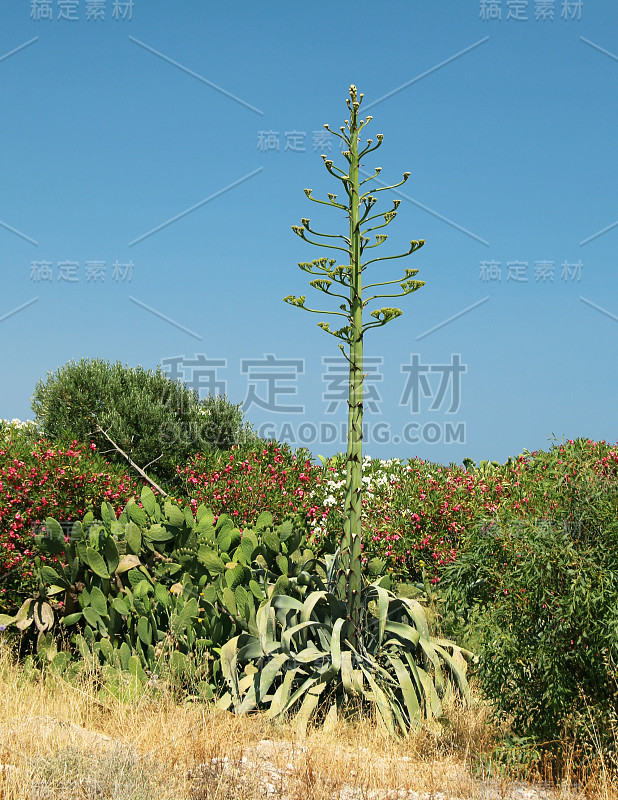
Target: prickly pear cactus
{"x": 161, "y": 586}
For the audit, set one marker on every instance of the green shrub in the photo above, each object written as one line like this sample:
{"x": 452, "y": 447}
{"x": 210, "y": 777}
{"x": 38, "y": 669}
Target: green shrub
{"x": 538, "y": 601}
{"x": 159, "y": 423}
{"x": 222, "y": 424}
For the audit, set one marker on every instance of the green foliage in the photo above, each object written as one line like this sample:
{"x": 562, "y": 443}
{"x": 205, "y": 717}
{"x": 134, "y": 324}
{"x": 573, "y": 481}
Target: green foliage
{"x": 28, "y": 431}
{"x": 484, "y": 467}
{"x": 222, "y": 424}
{"x": 538, "y": 600}
{"x": 306, "y": 654}
{"x": 159, "y": 423}
{"x": 159, "y": 586}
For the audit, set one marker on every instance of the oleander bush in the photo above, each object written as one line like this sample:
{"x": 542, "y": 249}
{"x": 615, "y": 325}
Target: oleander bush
{"x": 159, "y": 423}
{"x": 37, "y": 479}
{"x": 248, "y": 479}
{"x": 418, "y": 514}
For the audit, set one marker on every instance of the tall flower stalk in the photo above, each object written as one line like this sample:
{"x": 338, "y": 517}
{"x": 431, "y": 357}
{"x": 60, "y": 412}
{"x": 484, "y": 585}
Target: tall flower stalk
{"x": 349, "y": 277}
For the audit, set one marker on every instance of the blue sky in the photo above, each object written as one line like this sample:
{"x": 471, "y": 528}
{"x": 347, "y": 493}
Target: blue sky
{"x": 153, "y": 160}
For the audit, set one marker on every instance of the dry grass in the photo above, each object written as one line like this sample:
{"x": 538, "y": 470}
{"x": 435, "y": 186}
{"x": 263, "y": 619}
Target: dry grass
{"x": 60, "y": 741}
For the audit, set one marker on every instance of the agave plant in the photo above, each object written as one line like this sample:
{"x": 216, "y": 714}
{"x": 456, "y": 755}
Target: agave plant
{"x": 309, "y": 650}
{"x": 346, "y": 639}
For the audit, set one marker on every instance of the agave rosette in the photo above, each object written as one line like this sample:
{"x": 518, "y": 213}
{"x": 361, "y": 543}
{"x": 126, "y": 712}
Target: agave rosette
{"x": 303, "y": 649}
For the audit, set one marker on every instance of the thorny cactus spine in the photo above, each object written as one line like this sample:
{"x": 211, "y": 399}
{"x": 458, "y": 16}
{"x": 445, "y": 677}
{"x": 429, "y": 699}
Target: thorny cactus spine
{"x": 349, "y": 276}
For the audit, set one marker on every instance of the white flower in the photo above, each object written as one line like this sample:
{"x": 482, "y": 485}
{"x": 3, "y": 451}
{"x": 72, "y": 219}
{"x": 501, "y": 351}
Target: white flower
{"x": 17, "y": 423}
